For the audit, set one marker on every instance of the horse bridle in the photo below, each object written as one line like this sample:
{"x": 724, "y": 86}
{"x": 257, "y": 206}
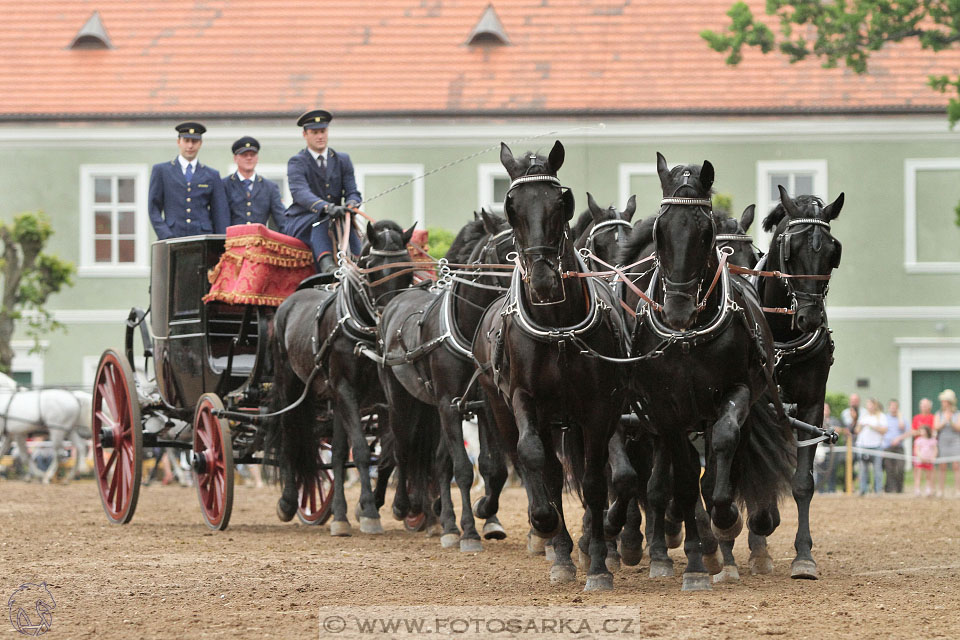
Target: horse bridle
{"x": 801, "y": 299}
{"x": 610, "y": 225}
{"x": 705, "y": 207}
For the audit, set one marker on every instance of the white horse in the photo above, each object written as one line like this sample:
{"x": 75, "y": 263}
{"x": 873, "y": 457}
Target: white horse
{"x": 61, "y": 413}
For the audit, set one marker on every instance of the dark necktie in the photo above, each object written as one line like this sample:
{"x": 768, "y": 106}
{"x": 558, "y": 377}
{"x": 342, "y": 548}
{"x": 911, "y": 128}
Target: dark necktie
{"x": 323, "y": 164}
{"x": 188, "y": 174}
{"x": 248, "y": 185}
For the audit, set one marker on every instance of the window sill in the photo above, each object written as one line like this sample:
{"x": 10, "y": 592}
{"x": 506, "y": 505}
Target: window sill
{"x": 113, "y": 271}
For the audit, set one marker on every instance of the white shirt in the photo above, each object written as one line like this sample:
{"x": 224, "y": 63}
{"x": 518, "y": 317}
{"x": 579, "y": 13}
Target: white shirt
{"x": 253, "y": 176}
{"x": 870, "y": 438}
{"x": 325, "y": 154}
{"x": 184, "y": 163}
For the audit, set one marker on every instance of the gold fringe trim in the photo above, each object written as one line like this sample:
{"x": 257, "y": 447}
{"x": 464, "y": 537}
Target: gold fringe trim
{"x": 272, "y": 245}
{"x": 243, "y": 298}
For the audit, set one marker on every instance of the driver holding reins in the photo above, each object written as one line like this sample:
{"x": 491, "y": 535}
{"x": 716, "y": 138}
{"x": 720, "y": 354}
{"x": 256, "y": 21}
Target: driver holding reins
{"x": 320, "y": 180}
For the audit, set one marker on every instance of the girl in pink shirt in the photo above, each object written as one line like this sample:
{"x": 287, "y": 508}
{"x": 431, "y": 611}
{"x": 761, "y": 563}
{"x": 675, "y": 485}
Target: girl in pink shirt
{"x": 925, "y": 451}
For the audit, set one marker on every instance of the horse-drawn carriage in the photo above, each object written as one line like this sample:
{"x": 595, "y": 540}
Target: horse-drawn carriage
{"x": 211, "y": 300}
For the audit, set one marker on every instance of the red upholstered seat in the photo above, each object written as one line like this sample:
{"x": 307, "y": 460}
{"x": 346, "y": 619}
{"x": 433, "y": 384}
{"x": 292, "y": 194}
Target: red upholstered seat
{"x": 259, "y": 266}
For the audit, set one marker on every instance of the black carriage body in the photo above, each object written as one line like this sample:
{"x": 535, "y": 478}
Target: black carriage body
{"x": 198, "y": 347}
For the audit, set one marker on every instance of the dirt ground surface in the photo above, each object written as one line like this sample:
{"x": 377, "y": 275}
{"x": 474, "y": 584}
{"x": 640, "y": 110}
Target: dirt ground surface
{"x": 889, "y": 569}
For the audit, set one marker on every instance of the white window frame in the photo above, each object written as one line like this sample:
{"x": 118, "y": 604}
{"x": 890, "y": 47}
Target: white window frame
{"x": 627, "y": 172}
{"x": 23, "y": 360}
{"x": 141, "y": 265}
{"x": 910, "y": 169}
{"x": 415, "y": 171}
{"x": 764, "y": 202}
{"x": 486, "y": 174}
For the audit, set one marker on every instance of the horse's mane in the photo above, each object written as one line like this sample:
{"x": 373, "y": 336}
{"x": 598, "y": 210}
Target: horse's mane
{"x": 467, "y": 238}
{"x": 640, "y": 237}
{"x": 582, "y": 223}
{"x": 778, "y": 212}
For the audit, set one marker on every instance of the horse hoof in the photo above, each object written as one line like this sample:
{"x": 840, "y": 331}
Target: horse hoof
{"x": 599, "y": 582}
{"x": 475, "y": 508}
{"x": 493, "y": 531}
{"x": 728, "y": 575}
{"x": 340, "y": 529}
{"x": 397, "y": 514}
{"x": 563, "y": 573}
{"x": 713, "y": 562}
{"x": 731, "y": 532}
{"x": 469, "y": 545}
{"x": 370, "y": 525}
{"x": 434, "y": 530}
{"x": 535, "y": 545}
{"x": 631, "y": 556}
{"x": 804, "y": 570}
{"x": 661, "y": 568}
{"x": 449, "y": 540}
{"x": 762, "y": 565}
{"x": 285, "y": 515}
{"x": 674, "y": 540}
{"x": 549, "y": 553}
{"x": 612, "y": 562}
{"x": 696, "y": 582}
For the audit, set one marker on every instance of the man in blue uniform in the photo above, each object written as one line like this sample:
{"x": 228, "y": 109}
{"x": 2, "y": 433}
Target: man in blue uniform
{"x": 186, "y": 197}
{"x": 251, "y": 197}
{"x": 320, "y": 180}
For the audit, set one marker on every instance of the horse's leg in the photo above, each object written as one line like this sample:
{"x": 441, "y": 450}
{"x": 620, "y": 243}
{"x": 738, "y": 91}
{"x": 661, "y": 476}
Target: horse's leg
{"x": 80, "y": 447}
{"x": 448, "y": 516}
{"x": 625, "y": 485}
{"x": 563, "y": 569}
{"x": 596, "y": 451}
{"x": 463, "y": 472}
{"x": 30, "y": 469}
{"x": 340, "y": 450}
{"x": 544, "y": 515}
{"x": 658, "y": 488}
{"x": 493, "y": 469}
{"x": 709, "y": 545}
{"x": 686, "y": 470}
{"x": 348, "y": 408}
{"x": 56, "y": 443}
{"x": 730, "y": 571}
{"x": 5, "y": 442}
{"x": 804, "y": 566}
{"x": 725, "y": 435}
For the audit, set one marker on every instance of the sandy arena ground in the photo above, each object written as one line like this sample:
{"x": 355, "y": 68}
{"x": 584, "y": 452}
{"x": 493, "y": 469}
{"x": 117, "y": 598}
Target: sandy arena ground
{"x": 889, "y": 569}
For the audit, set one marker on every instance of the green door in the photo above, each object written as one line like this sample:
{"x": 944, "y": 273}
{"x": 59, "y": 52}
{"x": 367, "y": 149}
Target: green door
{"x": 929, "y": 384}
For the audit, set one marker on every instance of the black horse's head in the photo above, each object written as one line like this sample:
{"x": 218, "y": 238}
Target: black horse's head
{"x": 733, "y": 233}
{"x": 684, "y": 235}
{"x": 386, "y": 244}
{"x": 609, "y": 227}
{"x": 539, "y": 208}
{"x": 497, "y": 242}
{"x": 803, "y": 245}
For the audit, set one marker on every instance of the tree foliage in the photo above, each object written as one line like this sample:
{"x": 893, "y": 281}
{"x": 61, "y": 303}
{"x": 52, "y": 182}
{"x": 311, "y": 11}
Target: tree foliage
{"x": 29, "y": 278}
{"x": 440, "y": 241}
{"x": 845, "y": 30}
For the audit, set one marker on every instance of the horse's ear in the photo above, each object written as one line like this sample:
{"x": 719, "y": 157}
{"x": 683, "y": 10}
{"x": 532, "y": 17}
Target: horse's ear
{"x": 832, "y": 210}
{"x": 746, "y": 218}
{"x": 408, "y": 234}
{"x": 489, "y": 224}
{"x": 555, "y": 159}
{"x": 631, "y": 208}
{"x": 663, "y": 171}
{"x": 569, "y": 203}
{"x": 593, "y": 207}
{"x": 508, "y": 161}
{"x": 475, "y": 216}
{"x": 370, "y": 234}
{"x": 706, "y": 176}
{"x": 787, "y": 203}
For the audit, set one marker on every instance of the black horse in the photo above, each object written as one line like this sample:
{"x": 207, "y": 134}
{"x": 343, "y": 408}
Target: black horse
{"x": 425, "y": 339}
{"x": 599, "y": 230}
{"x": 313, "y": 344}
{"x": 803, "y": 249}
{"x": 537, "y": 349}
{"x": 705, "y": 364}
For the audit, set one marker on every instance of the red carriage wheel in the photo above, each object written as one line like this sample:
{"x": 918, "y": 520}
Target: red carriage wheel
{"x": 213, "y": 462}
{"x": 117, "y": 437}
{"x": 316, "y": 495}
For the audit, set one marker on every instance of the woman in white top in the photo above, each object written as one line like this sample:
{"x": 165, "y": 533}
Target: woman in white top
{"x": 869, "y": 430}
{"x": 946, "y": 428}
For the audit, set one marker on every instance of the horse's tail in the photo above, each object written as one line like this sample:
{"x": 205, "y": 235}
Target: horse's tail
{"x": 426, "y": 454}
{"x": 568, "y": 443}
{"x": 290, "y": 439}
{"x": 766, "y": 457}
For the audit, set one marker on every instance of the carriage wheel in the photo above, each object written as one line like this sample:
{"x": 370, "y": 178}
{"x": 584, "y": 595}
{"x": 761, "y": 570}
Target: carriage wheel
{"x": 213, "y": 462}
{"x": 117, "y": 437}
{"x": 316, "y": 495}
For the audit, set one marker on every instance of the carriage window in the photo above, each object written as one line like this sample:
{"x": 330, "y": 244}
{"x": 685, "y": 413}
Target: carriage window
{"x": 798, "y": 177}
{"x": 113, "y": 220}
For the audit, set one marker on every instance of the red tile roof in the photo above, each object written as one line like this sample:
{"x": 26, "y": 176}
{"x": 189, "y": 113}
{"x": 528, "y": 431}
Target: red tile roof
{"x": 245, "y": 57}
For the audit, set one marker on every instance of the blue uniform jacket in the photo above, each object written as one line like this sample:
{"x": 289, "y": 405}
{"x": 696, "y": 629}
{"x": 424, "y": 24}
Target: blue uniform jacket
{"x": 311, "y": 193}
{"x": 263, "y": 203}
{"x": 178, "y": 209}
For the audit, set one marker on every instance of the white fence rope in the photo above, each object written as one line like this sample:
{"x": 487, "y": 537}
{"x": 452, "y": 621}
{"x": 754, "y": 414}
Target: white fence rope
{"x": 880, "y": 453}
